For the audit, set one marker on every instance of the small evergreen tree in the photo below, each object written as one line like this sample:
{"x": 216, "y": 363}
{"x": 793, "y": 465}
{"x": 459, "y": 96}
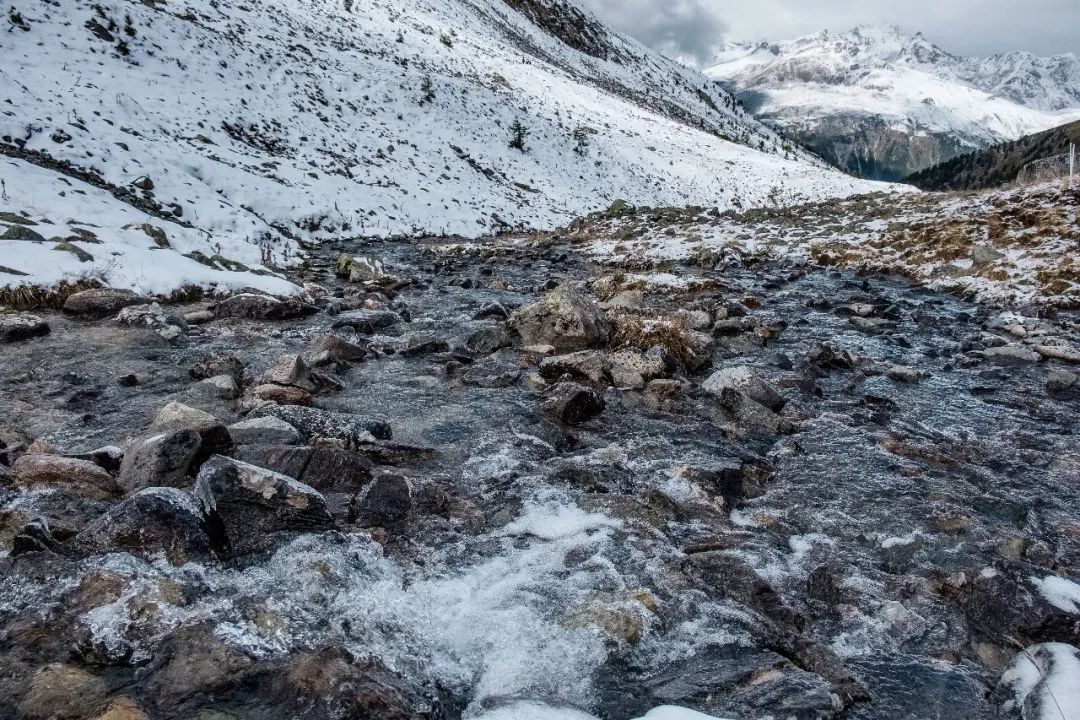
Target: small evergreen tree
{"x": 427, "y": 90}
{"x": 518, "y": 133}
{"x": 581, "y": 140}
{"x": 129, "y": 26}
{"x": 122, "y": 47}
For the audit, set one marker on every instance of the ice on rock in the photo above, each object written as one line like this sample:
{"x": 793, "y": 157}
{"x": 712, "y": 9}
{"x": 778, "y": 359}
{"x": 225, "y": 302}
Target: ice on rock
{"x": 1045, "y": 683}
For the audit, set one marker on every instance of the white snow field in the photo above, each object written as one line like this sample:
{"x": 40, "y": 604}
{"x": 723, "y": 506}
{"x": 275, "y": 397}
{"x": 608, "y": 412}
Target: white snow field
{"x": 263, "y": 125}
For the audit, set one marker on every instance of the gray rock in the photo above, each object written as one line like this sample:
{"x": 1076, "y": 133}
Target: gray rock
{"x": 166, "y": 323}
{"x": 573, "y": 404}
{"x": 627, "y": 300}
{"x": 487, "y": 340}
{"x": 367, "y": 322}
{"x": 263, "y": 307}
{"x": 385, "y": 501}
{"x": 221, "y": 387}
{"x": 313, "y": 422}
{"x": 323, "y": 467}
{"x": 293, "y": 371}
{"x": 159, "y": 461}
{"x": 247, "y": 505}
{"x": 331, "y": 349}
{"x": 1011, "y": 355}
{"x": 154, "y": 520}
{"x": 21, "y": 232}
{"x": 751, "y": 415}
{"x": 21, "y": 326}
{"x": 1064, "y": 353}
{"x": 565, "y": 319}
{"x": 744, "y": 380}
{"x": 587, "y": 365}
{"x": 98, "y": 303}
{"x": 177, "y": 416}
{"x": 633, "y": 369}
{"x": 1060, "y": 381}
{"x": 267, "y": 430}
{"x": 363, "y": 270}
{"x": 214, "y": 364}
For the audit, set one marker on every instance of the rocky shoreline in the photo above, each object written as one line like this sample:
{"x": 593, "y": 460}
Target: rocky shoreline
{"x": 494, "y": 479}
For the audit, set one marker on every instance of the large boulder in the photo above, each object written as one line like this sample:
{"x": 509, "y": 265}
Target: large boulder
{"x": 262, "y": 307}
{"x": 80, "y": 476}
{"x": 101, "y": 302}
{"x": 359, "y": 269}
{"x": 315, "y": 423}
{"x": 586, "y": 365}
{"x": 169, "y": 324}
{"x": 21, "y": 326}
{"x": 152, "y": 521}
{"x": 212, "y": 432}
{"x": 62, "y": 692}
{"x": 564, "y": 319}
{"x": 161, "y": 460}
{"x": 325, "y": 468}
{"x": 385, "y": 501}
{"x": 246, "y": 505}
{"x": 367, "y": 322}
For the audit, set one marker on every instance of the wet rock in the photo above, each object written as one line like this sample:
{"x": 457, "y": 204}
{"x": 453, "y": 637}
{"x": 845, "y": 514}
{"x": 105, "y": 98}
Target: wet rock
{"x": 1011, "y": 355}
{"x": 21, "y": 326}
{"x": 500, "y": 370}
{"x": 262, "y": 307}
{"x": 732, "y": 577}
{"x": 587, "y": 365}
{"x": 80, "y": 476}
{"x": 387, "y": 500}
{"x": 1020, "y": 601}
{"x": 281, "y": 394}
{"x": 214, "y": 364}
{"x": 827, "y": 357}
{"x": 1064, "y": 353}
{"x": 315, "y": 423}
{"x": 743, "y": 380}
{"x": 199, "y": 317}
{"x": 332, "y": 350}
{"x": 333, "y": 683}
{"x": 62, "y": 692}
{"x": 903, "y": 688}
{"x": 664, "y": 395}
{"x": 747, "y": 682}
{"x": 904, "y": 373}
{"x": 99, "y": 303}
{"x": 487, "y": 340}
{"x": 212, "y": 432}
{"x": 325, "y": 468}
{"x": 36, "y": 536}
{"x": 266, "y": 430}
{"x": 166, "y": 323}
{"x": 424, "y": 346}
{"x": 573, "y": 404}
{"x": 162, "y": 460}
{"x": 492, "y": 311}
{"x": 194, "y": 660}
{"x": 154, "y": 520}
{"x": 564, "y": 318}
{"x": 246, "y": 505}
{"x": 367, "y": 322}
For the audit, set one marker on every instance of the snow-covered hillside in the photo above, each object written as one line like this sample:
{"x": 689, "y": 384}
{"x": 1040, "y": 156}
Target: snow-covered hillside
{"x": 885, "y": 104}
{"x": 261, "y": 125}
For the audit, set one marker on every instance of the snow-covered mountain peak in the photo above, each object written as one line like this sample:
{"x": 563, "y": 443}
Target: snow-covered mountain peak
{"x": 884, "y": 102}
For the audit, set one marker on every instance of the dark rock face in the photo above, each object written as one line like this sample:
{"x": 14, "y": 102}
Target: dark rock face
{"x": 98, "y": 303}
{"x": 21, "y": 326}
{"x": 262, "y": 307}
{"x": 1013, "y": 601}
{"x": 386, "y": 501}
{"x": 573, "y": 404}
{"x": 313, "y": 422}
{"x": 246, "y": 505}
{"x": 327, "y": 469}
{"x": 564, "y": 319}
{"x": 159, "y": 461}
{"x": 154, "y": 520}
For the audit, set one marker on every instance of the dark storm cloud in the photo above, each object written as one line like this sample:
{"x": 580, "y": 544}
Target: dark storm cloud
{"x": 691, "y": 28}
{"x": 686, "y": 29}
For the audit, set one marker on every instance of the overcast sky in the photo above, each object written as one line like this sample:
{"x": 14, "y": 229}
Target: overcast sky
{"x": 693, "y": 28}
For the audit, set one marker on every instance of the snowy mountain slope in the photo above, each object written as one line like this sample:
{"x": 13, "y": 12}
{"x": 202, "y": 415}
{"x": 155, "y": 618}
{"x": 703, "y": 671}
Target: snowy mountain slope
{"x": 884, "y": 104}
{"x": 266, "y": 124}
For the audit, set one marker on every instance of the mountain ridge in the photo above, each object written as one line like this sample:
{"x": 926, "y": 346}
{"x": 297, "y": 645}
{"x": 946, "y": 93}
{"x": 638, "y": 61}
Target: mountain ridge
{"x": 883, "y": 103}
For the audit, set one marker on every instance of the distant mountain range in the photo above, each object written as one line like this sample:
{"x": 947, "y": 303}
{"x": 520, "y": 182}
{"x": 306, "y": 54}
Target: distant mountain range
{"x": 883, "y": 104}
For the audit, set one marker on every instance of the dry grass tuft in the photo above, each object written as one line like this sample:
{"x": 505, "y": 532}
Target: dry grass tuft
{"x": 635, "y": 331}
{"x": 29, "y": 297}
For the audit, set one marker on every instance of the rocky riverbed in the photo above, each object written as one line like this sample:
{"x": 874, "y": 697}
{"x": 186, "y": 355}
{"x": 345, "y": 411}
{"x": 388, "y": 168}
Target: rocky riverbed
{"x": 496, "y": 479}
